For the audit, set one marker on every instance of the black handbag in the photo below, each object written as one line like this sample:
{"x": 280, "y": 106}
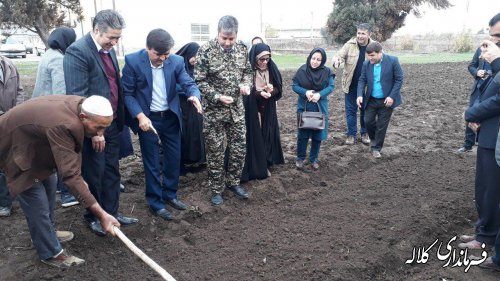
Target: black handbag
{"x": 311, "y": 120}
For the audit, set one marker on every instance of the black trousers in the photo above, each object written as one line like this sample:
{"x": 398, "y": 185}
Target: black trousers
{"x": 5, "y": 200}
{"x": 470, "y": 135}
{"x": 487, "y": 195}
{"x": 101, "y": 171}
{"x": 377, "y": 117}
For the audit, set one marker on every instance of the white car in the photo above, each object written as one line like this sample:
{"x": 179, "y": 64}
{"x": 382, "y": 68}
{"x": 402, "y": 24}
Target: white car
{"x": 12, "y": 48}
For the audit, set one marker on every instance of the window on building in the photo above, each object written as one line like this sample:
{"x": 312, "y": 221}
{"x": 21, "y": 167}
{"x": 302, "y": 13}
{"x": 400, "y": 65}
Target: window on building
{"x": 200, "y": 32}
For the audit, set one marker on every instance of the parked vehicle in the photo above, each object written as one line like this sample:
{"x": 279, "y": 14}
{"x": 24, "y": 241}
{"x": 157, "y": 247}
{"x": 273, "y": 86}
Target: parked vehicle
{"x": 13, "y": 48}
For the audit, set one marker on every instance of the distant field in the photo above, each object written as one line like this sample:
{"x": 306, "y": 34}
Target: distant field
{"x": 295, "y": 61}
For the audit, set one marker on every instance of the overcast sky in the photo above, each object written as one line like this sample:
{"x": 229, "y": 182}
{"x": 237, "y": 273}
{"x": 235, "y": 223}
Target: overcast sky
{"x": 143, "y": 15}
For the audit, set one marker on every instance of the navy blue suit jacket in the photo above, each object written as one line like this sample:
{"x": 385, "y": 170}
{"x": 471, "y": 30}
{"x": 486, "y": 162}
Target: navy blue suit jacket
{"x": 84, "y": 73}
{"x": 487, "y": 110}
{"x": 137, "y": 83}
{"x": 391, "y": 78}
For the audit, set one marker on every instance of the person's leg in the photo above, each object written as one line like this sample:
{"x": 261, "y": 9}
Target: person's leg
{"x": 110, "y": 193}
{"x": 487, "y": 196}
{"x": 92, "y": 172}
{"x": 150, "y": 151}
{"x": 214, "y": 144}
{"x": 236, "y": 143}
{"x": 315, "y": 146}
{"x": 5, "y": 200}
{"x": 37, "y": 209}
{"x": 383, "y": 117}
{"x": 171, "y": 143}
{"x": 302, "y": 140}
{"x": 351, "y": 109}
{"x": 371, "y": 119}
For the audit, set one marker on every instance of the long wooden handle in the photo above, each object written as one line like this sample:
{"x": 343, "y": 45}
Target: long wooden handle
{"x": 163, "y": 273}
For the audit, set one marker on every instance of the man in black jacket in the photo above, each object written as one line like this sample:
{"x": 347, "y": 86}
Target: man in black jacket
{"x": 483, "y": 117}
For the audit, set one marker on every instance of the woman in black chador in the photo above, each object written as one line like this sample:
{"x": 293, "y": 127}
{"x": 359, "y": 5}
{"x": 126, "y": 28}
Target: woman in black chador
{"x": 263, "y": 134}
{"x": 192, "y": 141}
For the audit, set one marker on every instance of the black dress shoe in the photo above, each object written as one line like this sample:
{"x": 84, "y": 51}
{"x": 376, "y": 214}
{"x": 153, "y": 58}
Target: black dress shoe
{"x": 163, "y": 213}
{"x": 239, "y": 191}
{"x": 176, "y": 203}
{"x": 124, "y": 221}
{"x": 95, "y": 226}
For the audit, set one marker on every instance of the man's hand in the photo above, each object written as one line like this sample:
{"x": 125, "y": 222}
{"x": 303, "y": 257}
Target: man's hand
{"x": 196, "y": 102}
{"x": 226, "y": 99}
{"x": 489, "y": 51}
{"x": 359, "y": 101}
{"x": 244, "y": 90}
{"x": 480, "y": 73}
{"x": 98, "y": 143}
{"x": 144, "y": 122}
{"x": 388, "y": 102}
{"x": 474, "y": 126}
{"x": 107, "y": 221}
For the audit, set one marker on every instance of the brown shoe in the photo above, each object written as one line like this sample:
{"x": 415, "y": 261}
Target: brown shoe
{"x": 467, "y": 238}
{"x": 63, "y": 260}
{"x": 474, "y": 245}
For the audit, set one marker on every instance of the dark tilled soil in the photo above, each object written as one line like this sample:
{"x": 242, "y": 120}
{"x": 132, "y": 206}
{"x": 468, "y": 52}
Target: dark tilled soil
{"x": 355, "y": 219}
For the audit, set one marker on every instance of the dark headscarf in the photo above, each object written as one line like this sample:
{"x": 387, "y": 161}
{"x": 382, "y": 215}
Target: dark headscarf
{"x": 273, "y": 68}
{"x": 188, "y": 51}
{"x": 61, "y": 38}
{"x": 313, "y": 78}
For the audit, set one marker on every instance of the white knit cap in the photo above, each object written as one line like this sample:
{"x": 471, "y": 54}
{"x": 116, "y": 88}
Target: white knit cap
{"x": 97, "y": 105}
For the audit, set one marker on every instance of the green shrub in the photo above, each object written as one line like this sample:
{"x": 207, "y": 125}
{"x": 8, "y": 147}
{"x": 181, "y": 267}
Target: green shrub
{"x": 462, "y": 43}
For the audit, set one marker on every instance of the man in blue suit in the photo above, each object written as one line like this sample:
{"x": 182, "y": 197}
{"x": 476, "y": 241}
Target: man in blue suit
{"x": 91, "y": 68}
{"x": 484, "y": 117}
{"x": 379, "y": 92}
{"x": 149, "y": 80}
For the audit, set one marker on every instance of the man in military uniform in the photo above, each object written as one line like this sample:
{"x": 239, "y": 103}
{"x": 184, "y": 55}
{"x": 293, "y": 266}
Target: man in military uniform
{"x": 223, "y": 75}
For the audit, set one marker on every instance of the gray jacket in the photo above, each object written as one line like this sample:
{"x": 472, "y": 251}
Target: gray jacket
{"x": 50, "y": 75}
{"x": 11, "y": 91}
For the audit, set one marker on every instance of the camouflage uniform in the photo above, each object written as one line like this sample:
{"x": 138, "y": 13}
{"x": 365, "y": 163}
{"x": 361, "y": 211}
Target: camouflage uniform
{"x": 219, "y": 72}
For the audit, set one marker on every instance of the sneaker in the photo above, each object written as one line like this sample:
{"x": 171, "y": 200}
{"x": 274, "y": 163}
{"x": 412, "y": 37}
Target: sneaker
{"x": 5, "y": 211}
{"x": 64, "y": 236}
{"x": 464, "y": 149}
{"x": 68, "y": 200}
{"x": 365, "y": 139}
{"x": 63, "y": 260}
{"x": 376, "y": 154}
{"x": 299, "y": 164}
{"x": 349, "y": 140}
{"x": 315, "y": 165}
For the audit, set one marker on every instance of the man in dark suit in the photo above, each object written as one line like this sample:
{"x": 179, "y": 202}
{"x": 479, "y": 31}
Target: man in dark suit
{"x": 481, "y": 71}
{"x": 91, "y": 68}
{"x": 484, "y": 117}
{"x": 47, "y": 133}
{"x": 379, "y": 92}
{"x": 149, "y": 80}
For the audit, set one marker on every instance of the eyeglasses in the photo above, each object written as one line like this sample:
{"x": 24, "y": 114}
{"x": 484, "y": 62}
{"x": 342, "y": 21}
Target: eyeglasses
{"x": 264, "y": 59}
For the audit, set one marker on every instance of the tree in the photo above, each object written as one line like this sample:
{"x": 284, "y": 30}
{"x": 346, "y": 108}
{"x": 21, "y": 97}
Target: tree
{"x": 386, "y": 16}
{"x": 39, "y": 16}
